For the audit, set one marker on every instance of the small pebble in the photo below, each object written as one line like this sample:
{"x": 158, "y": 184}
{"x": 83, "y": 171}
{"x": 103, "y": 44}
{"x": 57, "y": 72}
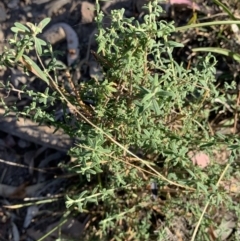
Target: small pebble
{"x": 23, "y": 144}
{"x": 13, "y": 4}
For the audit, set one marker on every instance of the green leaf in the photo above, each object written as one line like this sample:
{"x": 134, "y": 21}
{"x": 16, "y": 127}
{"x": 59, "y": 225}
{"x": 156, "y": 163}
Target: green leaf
{"x": 44, "y": 23}
{"x": 21, "y": 27}
{"x": 156, "y": 107}
{"x": 42, "y": 42}
{"x": 35, "y": 69}
{"x": 80, "y": 207}
{"x": 175, "y": 44}
{"x": 225, "y": 52}
{"x": 147, "y": 97}
{"x": 46, "y": 91}
{"x": 165, "y": 93}
{"x": 20, "y": 54}
{"x": 206, "y": 24}
{"x": 82, "y": 194}
{"x": 15, "y": 30}
{"x": 31, "y": 26}
{"x": 38, "y": 46}
{"x": 110, "y": 87}
{"x": 225, "y": 8}
{"x": 233, "y": 147}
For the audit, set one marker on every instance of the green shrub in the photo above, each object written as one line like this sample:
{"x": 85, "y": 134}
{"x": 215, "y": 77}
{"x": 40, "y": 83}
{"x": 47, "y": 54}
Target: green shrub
{"x": 148, "y": 114}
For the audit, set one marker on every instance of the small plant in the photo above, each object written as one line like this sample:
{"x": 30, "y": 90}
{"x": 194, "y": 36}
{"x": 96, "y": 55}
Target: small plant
{"x": 145, "y": 117}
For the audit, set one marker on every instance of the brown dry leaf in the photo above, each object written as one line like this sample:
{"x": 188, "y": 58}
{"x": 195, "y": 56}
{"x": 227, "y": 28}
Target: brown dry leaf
{"x": 87, "y": 12}
{"x": 19, "y": 192}
{"x": 6, "y": 190}
{"x": 30, "y": 190}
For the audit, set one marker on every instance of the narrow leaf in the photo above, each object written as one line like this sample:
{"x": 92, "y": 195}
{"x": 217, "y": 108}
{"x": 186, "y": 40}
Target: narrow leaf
{"x": 156, "y": 107}
{"x": 19, "y": 55}
{"x": 32, "y": 67}
{"x": 147, "y": 97}
{"x": 15, "y": 29}
{"x": 225, "y": 8}
{"x": 42, "y": 42}
{"x": 22, "y": 27}
{"x": 44, "y": 23}
{"x": 225, "y": 52}
{"x": 198, "y": 25}
{"x": 38, "y": 46}
{"x": 163, "y": 93}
